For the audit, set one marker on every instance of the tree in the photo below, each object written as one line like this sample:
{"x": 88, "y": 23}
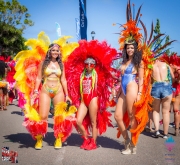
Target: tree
{"x": 157, "y": 31}
{"x": 14, "y": 19}
{"x": 167, "y": 40}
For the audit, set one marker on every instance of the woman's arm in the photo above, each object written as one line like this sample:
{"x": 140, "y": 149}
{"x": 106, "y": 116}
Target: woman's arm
{"x": 141, "y": 77}
{"x": 64, "y": 85}
{"x": 172, "y": 74}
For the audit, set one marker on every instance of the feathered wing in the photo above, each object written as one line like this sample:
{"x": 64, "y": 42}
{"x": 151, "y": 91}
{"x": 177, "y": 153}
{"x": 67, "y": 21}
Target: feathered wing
{"x": 27, "y": 62}
{"x": 103, "y": 54}
{"x": 143, "y": 106}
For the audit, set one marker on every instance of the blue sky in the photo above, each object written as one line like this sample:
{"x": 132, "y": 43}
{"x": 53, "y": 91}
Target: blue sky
{"x": 101, "y": 14}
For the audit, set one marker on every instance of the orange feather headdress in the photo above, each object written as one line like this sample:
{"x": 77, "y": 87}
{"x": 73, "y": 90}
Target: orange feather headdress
{"x": 131, "y": 33}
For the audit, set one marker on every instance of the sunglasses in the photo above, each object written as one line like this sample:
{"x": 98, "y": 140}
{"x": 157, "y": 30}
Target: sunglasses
{"x": 90, "y": 65}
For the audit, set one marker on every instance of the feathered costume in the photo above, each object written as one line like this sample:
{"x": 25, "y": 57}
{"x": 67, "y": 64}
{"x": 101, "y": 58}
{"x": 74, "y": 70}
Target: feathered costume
{"x": 150, "y": 53}
{"x": 103, "y": 54}
{"x": 26, "y": 73}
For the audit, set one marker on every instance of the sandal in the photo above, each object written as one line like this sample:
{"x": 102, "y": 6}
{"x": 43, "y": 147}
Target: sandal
{"x": 1, "y": 108}
{"x": 4, "y": 108}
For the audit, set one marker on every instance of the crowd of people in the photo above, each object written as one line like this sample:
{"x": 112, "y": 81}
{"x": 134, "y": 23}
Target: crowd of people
{"x": 8, "y": 91}
{"x": 78, "y": 83}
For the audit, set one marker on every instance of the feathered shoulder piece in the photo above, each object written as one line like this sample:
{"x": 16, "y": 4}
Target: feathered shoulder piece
{"x": 103, "y": 55}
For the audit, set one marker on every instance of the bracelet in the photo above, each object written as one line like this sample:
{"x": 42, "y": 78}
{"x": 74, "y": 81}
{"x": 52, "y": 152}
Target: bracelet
{"x": 36, "y": 91}
{"x": 66, "y": 95}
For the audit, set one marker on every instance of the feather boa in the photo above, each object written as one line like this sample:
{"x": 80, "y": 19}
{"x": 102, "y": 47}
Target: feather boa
{"x": 63, "y": 120}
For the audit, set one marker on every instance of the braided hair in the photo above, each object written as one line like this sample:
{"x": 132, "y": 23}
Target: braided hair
{"x": 48, "y": 59}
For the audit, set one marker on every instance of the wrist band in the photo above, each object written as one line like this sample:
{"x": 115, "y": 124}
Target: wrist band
{"x": 36, "y": 91}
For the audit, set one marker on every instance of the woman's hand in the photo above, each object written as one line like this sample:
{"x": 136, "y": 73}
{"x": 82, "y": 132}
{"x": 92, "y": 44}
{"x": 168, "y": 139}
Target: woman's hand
{"x": 138, "y": 97}
{"x": 33, "y": 98}
{"x": 68, "y": 99}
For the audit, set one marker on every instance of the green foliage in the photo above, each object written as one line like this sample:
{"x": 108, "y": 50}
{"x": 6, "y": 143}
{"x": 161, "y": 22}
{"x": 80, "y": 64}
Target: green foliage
{"x": 14, "y": 19}
{"x": 167, "y": 40}
{"x": 157, "y": 31}
{"x": 13, "y": 13}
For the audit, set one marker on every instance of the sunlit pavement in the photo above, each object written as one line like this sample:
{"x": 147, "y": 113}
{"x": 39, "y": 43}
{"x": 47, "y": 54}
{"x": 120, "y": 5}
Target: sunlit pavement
{"x": 150, "y": 151}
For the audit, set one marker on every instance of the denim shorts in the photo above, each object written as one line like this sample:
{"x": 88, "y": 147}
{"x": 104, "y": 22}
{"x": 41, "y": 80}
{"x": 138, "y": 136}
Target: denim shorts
{"x": 161, "y": 90}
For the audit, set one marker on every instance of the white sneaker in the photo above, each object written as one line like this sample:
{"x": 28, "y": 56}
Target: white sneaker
{"x": 165, "y": 136}
{"x": 157, "y": 134}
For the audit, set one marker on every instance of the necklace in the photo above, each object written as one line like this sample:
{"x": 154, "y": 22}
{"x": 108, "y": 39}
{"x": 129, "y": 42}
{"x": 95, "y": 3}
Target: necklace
{"x": 53, "y": 65}
{"x": 88, "y": 75}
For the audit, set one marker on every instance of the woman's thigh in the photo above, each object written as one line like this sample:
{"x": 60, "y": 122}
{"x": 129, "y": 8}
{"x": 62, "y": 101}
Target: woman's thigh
{"x": 93, "y": 108}
{"x": 176, "y": 103}
{"x": 59, "y": 97}
{"x": 44, "y": 104}
{"x": 81, "y": 113}
{"x": 166, "y": 102}
{"x": 120, "y": 107}
{"x": 131, "y": 95}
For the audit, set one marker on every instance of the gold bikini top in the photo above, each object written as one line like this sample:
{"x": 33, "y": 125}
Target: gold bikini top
{"x": 50, "y": 71}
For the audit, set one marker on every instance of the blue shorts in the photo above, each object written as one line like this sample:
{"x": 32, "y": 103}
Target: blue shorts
{"x": 161, "y": 90}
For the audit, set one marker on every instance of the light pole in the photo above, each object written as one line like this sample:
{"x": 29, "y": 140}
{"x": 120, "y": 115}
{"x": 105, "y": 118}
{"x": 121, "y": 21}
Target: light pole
{"x": 93, "y": 34}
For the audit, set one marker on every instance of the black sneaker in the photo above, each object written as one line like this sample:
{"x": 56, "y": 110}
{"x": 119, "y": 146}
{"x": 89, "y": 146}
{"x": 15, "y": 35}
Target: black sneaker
{"x": 172, "y": 125}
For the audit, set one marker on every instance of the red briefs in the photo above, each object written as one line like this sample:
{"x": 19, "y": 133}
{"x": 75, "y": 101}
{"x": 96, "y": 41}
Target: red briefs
{"x": 88, "y": 92}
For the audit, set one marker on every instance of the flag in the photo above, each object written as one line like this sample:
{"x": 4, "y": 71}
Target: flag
{"x": 58, "y": 29}
{"x": 78, "y": 35}
{"x": 83, "y": 19}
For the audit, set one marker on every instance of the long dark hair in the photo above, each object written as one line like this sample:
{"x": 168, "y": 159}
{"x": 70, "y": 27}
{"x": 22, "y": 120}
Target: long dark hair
{"x": 2, "y": 69}
{"x": 137, "y": 57}
{"x": 48, "y": 59}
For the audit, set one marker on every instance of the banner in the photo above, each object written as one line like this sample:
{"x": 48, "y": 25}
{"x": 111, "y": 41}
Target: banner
{"x": 58, "y": 29}
{"x": 83, "y": 19}
{"x": 78, "y": 35}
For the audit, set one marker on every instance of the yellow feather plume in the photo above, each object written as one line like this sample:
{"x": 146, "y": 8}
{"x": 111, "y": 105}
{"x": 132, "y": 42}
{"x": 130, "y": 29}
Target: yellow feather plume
{"x": 61, "y": 109}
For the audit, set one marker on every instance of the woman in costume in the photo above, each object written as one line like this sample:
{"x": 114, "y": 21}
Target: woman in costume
{"x": 162, "y": 90}
{"x": 174, "y": 61}
{"x": 10, "y": 74}
{"x": 89, "y": 87}
{"x": 52, "y": 72}
{"x": 3, "y": 85}
{"x": 89, "y": 103}
{"x": 134, "y": 102}
{"x": 131, "y": 67}
{"x": 39, "y": 85}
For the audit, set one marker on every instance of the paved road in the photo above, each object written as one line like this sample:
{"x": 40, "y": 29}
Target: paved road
{"x": 150, "y": 151}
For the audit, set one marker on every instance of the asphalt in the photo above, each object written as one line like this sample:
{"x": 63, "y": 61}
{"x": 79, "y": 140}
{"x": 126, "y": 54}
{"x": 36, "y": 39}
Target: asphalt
{"x": 150, "y": 150}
